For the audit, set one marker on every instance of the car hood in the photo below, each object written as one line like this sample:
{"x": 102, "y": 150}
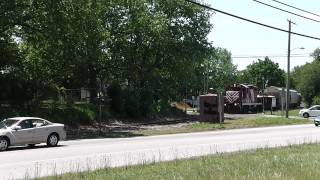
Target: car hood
{"x": 57, "y": 124}
{"x": 3, "y": 131}
{"x": 304, "y": 110}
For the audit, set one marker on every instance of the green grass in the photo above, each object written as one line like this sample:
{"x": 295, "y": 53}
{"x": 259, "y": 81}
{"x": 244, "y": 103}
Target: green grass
{"x": 228, "y": 124}
{"x": 293, "y": 112}
{"x": 294, "y": 162}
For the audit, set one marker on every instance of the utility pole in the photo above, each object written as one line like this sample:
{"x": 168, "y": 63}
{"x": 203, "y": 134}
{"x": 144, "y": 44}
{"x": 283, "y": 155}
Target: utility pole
{"x": 288, "y": 70}
{"x": 263, "y": 94}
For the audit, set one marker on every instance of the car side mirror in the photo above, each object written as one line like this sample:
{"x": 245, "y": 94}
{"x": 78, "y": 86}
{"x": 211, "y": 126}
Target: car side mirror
{"x": 17, "y": 128}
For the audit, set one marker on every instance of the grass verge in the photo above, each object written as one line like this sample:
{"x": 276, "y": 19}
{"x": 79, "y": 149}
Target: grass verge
{"x": 228, "y": 124}
{"x": 293, "y": 162}
{"x": 292, "y": 112}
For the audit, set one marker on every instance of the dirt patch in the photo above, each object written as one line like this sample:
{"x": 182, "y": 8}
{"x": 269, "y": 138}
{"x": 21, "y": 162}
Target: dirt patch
{"x": 118, "y": 129}
{"x": 180, "y": 105}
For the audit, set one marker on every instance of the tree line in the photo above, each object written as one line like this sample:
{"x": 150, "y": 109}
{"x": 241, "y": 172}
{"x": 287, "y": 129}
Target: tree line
{"x": 147, "y": 52}
{"x": 306, "y": 79}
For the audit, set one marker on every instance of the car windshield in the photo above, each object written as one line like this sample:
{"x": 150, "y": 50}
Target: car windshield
{"x": 315, "y": 108}
{"x": 7, "y": 123}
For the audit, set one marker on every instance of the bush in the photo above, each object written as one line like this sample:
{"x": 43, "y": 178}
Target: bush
{"x": 131, "y": 103}
{"x": 147, "y": 103}
{"x": 72, "y": 115}
{"x": 316, "y": 100}
{"x": 115, "y": 94}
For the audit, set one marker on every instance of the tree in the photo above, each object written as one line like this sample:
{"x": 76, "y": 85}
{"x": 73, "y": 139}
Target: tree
{"x": 263, "y": 72}
{"x": 307, "y": 79}
{"x": 150, "y": 50}
{"x": 15, "y": 89}
{"x": 316, "y": 54}
{"x": 69, "y": 48}
{"x": 219, "y": 72}
{"x": 155, "y": 47}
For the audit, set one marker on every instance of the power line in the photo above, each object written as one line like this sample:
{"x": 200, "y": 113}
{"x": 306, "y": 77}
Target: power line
{"x": 271, "y": 55}
{"x": 296, "y": 8}
{"x": 251, "y": 21}
{"x": 275, "y": 54}
{"x": 278, "y": 56}
{"x": 286, "y": 11}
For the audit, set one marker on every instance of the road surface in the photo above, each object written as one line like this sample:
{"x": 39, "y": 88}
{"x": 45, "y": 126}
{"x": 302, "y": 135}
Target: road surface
{"x": 75, "y": 156}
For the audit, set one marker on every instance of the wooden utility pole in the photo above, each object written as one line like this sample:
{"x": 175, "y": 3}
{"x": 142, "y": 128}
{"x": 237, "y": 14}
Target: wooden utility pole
{"x": 288, "y": 70}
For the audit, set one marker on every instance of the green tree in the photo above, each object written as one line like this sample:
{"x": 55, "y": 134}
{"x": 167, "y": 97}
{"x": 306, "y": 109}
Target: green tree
{"x": 69, "y": 48}
{"x": 307, "y": 79}
{"x": 151, "y": 50}
{"x": 155, "y": 47}
{"x": 316, "y": 54}
{"x": 263, "y": 72}
{"x": 219, "y": 72}
{"x": 15, "y": 89}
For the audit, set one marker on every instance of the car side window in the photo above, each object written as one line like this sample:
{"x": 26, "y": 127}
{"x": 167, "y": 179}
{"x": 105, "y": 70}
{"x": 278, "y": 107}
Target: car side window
{"x": 38, "y": 123}
{"x": 45, "y": 123}
{"x": 26, "y": 124}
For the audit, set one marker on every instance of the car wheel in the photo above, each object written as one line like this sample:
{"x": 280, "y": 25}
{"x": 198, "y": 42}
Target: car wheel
{"x": 316, "y": 124}
{"x": 4, "y": 143}
{"x": 52, "y": 140}
{"x": 305, "y": 115}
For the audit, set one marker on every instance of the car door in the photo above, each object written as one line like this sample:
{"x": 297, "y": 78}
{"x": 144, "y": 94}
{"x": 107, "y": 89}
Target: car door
{"x": 25, "y": 134}
{"x": 314, "y": 111}
{"x": 41, "y": 130}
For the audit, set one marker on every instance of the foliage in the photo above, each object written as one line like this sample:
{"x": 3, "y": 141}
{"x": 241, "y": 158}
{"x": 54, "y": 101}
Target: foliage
{"x": 154, "y": 50}
{"x": 316, "y": 100}
{"x": 116, "y": 97}
{"x": 262, "y": 73}
{"x": 307, "y": 79}
{"x": 316, "y": 54}
{"x": 219, "y": 72}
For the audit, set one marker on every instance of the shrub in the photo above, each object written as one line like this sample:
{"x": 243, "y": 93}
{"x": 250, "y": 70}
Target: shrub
{"x": 115, "y": 94}
{"x": 316, "y": 100}
{"x": 131, "y": 103}
{"x": 71, "y": 115}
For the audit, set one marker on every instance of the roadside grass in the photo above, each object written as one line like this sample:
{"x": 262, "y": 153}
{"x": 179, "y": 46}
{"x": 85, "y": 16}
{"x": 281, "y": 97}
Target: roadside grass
{"x": 292, "y": 112}
{"x": 293, "y": 162}
{"x": 228, "y": 124}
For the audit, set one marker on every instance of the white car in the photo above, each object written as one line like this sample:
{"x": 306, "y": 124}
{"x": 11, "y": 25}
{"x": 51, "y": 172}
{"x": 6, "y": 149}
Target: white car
{"x": 310, "y": 112}
{"x": 30, "y": 131}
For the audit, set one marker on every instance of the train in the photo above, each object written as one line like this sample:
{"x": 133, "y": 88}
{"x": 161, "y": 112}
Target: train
{"x": 280, "y": 95}
{"x": 244, "y": 98}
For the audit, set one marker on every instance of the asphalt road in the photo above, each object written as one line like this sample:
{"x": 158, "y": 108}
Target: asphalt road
{"x": 75, "y": 156}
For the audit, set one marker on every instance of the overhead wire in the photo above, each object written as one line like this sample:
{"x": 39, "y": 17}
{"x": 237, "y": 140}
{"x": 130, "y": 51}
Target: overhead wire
{"x": 277, "y": 56}
{"x": 251, "y": 21}
{"x": 296, "y": 8}
{"x": 274, "y": 7}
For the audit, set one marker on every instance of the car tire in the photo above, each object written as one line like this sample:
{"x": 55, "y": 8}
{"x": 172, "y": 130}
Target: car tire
{"x": 53, "y": 140}
{"x": 4, "y": 143}
{"x": 305, "y": 115}
{"x": 316, "y": 125}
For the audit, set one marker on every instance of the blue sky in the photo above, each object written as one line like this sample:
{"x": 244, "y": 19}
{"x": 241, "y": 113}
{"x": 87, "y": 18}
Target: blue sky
{"x": 245, "y": 39}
